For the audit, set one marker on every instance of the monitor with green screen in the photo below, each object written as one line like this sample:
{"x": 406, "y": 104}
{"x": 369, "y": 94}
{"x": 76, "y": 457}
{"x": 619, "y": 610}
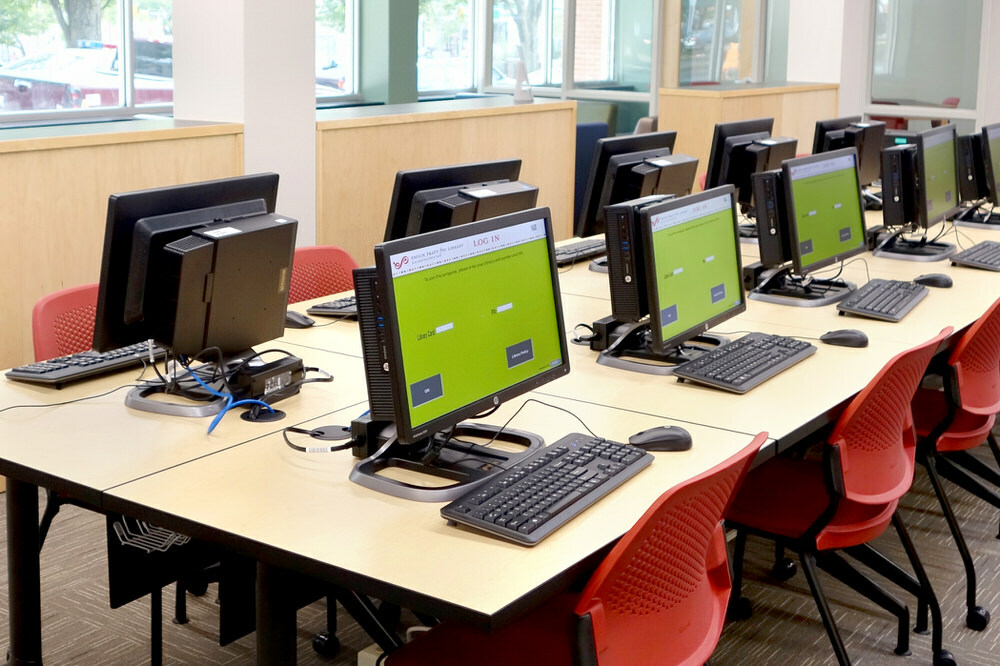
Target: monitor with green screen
{"x": 693, "y": 271}
{"x": 472, "y": 316}
{"x": 825, "y": 214}
{"x": 937, "y": 175}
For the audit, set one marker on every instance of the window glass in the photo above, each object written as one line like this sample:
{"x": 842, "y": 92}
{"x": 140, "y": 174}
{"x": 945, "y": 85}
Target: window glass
{"x": 711, "y": 31}
{"x": 445, "y": 59}
{"x": 528, "y": 31}
{"x": 334, "y": 48}
{"x": 51, "y": 61}
{"x": 614, "y": 41}
{"x": 153, "y": 44}
{"x": 926, "y": 53}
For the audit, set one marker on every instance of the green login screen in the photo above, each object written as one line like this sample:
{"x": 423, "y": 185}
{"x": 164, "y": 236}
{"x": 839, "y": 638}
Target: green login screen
{"x": 826, "y": 204}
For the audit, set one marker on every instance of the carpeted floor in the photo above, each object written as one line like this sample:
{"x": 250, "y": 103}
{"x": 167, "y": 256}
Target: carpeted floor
{"x": 79, "y": 628}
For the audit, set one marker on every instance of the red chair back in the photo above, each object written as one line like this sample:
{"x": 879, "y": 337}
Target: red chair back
{"x": 63, "y": 322}
{"x": 875, "y": 436}
{"x": 976, "y": 364}
{"x": 320, "y": 270}
{"x": 660, "y": 595}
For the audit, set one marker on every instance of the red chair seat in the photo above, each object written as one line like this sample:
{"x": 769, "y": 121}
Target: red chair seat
{"x": 967, "y": 431}
{"x": 787, "y": 496}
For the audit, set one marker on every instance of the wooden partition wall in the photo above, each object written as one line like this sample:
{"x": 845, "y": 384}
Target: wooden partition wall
{"x": 359, "y": 151}
{"x": 693, "y": 111}
{"x": 55, "y": 183}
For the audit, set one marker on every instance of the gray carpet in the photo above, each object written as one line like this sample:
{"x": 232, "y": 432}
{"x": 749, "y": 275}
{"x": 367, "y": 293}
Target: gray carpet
{"x": 78, "y": 626}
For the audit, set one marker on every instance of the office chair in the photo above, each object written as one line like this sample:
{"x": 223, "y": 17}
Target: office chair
{"x": 659, "y": 597}
{"x": 62, "y": 322}
{"x": 320, "y": 270}
{"x": 952, "y": 421}
{"x": 845, "y": 500}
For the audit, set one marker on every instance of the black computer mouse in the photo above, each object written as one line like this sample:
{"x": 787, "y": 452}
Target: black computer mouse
{"x": 662, "y": 438}
{"x": 845, "y": 337}
{"x": 295, "y": 319}
{"x": 934, "y": 280}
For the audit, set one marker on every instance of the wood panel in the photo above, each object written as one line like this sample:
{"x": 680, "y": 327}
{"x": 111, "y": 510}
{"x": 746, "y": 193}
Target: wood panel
{"x": 693, "y": 112}
{"x": 55, "y": 201}
{"x": 358, "y": 159}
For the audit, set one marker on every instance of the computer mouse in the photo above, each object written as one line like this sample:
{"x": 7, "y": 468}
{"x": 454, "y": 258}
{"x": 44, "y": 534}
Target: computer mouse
{"x": 934, "y": 280}
{"x": 662, "y": 438}
{"x": 295, "y": 319}
{"x": 845, "y": 337}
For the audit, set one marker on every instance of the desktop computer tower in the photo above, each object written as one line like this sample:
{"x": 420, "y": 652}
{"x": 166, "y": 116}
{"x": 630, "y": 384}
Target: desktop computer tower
{"x": 373, "y": 344}
{"x": 971, "y": 168}
{"x": 772, "y": 232}
{"x": 626, "y": 262}
{"x": 898, "y": 184}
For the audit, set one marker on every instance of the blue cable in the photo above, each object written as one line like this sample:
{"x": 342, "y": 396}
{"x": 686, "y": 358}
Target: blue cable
{"x": 227, "y": 397}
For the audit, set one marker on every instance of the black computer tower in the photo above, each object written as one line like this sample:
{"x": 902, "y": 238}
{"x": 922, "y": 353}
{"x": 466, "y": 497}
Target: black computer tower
{"x": 971, "y": 168}
{"x": 898, "y": 184}
{"x": 373, "y": 344}
{"x": 772, "y": 226}
{"x": 626, "y": 263}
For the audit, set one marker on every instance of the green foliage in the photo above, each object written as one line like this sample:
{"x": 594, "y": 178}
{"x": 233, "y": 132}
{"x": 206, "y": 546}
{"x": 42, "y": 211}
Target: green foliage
{"x": 331, "y": 13}
{"x": 21, "y": 18}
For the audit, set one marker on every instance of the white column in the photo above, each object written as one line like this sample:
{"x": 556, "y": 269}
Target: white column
{"x": 253, "y": 62}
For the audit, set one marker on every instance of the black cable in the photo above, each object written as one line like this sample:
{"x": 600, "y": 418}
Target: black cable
{"x": 70, "y": 402}
{"x": 312, "y": 449}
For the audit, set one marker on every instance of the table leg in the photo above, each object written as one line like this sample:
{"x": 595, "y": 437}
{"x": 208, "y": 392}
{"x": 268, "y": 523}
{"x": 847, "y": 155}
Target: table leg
{"x": 276, "y": 638}
{"x": 23, "y": 579}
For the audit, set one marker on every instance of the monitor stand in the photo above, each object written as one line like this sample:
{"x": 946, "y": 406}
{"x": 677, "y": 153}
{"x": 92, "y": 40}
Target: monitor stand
{"x": 464, "y": 465}
{"x": 894, "y": 246}
{"x": 978, "y": 218}
{"x": 141, "y": 398}
{"x": 599, "y": 264}
{"x": 783, "y": 288}
{"x": 630, "y": 349}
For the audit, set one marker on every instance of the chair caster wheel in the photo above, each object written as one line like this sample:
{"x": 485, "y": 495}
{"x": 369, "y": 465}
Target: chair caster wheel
{"x": 326, "y": 645}
{"x": 902, "y": 652}
{"x": 739, "y": 610}
{"x": 197, "y": 587}
{"x": 977, "y": 618}
{"x": 783, "y": 569}
{"x": 944, "y": 658}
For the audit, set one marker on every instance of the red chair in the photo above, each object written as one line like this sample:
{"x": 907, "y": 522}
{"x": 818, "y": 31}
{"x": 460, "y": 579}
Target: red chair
{"x": 659, "y": 597}
{"x": 847, "y": 499}
{"x": 320, "y": 270}
{"x": 63, "y": 322}
{"x": 961, "y": 417}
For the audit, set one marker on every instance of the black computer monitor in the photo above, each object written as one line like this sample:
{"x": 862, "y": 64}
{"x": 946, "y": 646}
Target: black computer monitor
{"x": 435, "y": 198}
{"x": 669, "y": 174}
{"x": 811, "y": 216}
{"x": 202, "y": 269}
{"x": 829, "y": 132}
{"x": 685, "y": 269}
{"x": 482, "y": 297}
{"x": 924, "y": 187}
{"x": 729, "y": 133}
{"x": 139, "y": 225}
{"x": 991, "y": 161}
{"x": 603, "y": 180}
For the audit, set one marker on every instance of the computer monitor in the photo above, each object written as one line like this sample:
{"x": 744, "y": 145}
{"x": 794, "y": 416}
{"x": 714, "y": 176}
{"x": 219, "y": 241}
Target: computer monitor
{"x": 202, "y": 267}
{"x": 731, "y": 133}
{"x": 453, "y": 323}
{"x": 670, "y": 174}
{"x": 688, "y": 253}
{"x": 829, "y": 132}
{"x": 811, "y": 216}
{"x": 435, "y": 198}
{"x": 979, "y": 169}
{"x": 603, "y": 180}
{"x": 925, "y": 187}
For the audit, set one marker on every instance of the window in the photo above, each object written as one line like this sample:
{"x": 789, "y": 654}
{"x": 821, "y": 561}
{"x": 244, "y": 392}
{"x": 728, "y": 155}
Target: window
{"x": 445, "y": 60}
{"x": 710, "y": 41}
{"x": 335, "y": 31}
{"x": 57, "y": 60}
{"x": 528, "y": 31}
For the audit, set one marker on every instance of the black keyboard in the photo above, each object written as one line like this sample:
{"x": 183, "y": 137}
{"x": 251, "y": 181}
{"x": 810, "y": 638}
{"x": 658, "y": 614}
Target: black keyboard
{"x": 981, "y": 255}
{"x": 742, "y": 364}
{"x": 65, "y": 369}
{"x": 543, "y": 491}
{"x": 342, "y": 307}
{"x": 578, "y": 250}
{"x": 888, "y": 300}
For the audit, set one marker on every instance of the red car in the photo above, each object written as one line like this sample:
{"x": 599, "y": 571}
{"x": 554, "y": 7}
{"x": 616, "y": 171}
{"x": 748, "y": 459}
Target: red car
{"x": 85, "y": 77}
